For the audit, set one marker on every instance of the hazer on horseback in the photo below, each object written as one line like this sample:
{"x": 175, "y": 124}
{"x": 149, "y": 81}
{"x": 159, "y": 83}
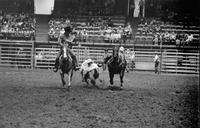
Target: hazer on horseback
{"x": 66, "y": 38}
{"x": 116, "y": 64}
{"x": 122, "y": 55}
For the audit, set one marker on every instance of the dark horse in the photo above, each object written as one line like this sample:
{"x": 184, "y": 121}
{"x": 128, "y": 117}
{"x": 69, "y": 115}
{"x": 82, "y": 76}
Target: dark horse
{"x": 115, "y": 66}
{"x": 66, "y": 65}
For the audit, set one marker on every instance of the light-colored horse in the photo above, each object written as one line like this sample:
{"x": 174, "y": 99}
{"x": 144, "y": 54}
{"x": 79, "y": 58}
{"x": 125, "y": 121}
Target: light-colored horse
{"x": 66, "y": 65}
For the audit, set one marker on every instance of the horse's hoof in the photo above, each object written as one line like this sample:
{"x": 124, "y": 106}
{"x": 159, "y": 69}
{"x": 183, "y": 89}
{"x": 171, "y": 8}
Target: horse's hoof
{"x": 68, "y": 88}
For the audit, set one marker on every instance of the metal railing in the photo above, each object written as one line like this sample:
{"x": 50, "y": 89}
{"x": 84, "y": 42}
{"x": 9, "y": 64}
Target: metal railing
{"x": 24, "y": 55}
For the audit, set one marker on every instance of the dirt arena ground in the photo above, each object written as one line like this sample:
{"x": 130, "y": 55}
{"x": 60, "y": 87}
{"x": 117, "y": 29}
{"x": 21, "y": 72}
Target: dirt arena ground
{"x": 35, "y": 99}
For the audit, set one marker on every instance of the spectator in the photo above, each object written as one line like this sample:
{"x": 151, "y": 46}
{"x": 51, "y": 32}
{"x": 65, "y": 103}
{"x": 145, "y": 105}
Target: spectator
{"x": 185, "y": 40}
{"x": 156, "y": 61}
{"x": 155, "y": 39}
{"x": 172, "y": 38}
{"x": 84, "y": 35}
{"x": 178, "y": 42}
{"x": 141, "y": 7}
{"x": 179, "y": 62}
{"x": 128, "y": 29}
{"x": 132, "y": 58}
{"x": 122, "y": 54}
{"x": 157, "y": 28}
{"x": 166, "y": 37}
{"x": 62, "y": 31}
{"x": 132, "y": 8}
{"x": 105, "y": 56}
{"x": 189, "y": 39}
{"x": 17, "y": 26}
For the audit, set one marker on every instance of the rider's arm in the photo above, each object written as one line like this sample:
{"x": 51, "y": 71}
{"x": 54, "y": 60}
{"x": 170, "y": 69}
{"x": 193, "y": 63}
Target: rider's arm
{"x": 70, "y": 39}
{"x": 60, "y": 41}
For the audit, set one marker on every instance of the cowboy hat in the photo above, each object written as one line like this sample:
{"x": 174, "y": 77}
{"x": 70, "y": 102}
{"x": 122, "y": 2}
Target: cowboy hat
{"x": 68, "y": 29}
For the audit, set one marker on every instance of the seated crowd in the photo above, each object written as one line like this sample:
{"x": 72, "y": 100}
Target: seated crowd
{"x": 19, "y": 26}
{"x": 170, "y": 34}
{"x": 94, "y": 28}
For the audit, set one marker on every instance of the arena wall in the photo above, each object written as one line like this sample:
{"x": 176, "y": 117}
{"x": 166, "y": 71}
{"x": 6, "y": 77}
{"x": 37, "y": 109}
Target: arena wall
{"x": 25, "y": 54}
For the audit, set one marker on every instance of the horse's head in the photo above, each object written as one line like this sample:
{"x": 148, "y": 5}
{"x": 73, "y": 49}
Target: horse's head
{"x": 115, "y": 52}
{"x": 65, "y": 51}
{"x": 66, "y": 62}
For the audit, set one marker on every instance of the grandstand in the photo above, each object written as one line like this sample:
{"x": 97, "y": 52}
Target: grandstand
{"x": 30, "y": 40}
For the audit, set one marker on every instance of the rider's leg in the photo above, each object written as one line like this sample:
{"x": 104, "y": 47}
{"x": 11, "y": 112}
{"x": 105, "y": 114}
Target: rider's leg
{"x": 57, "y": 62}
{"x": 125, "y": 62}
{"x": 107, "y": 59}
{"x": 74, "y": 59}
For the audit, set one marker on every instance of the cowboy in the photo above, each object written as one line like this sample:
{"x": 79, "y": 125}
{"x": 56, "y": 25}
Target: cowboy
{"x": 106, "y": 55}
{"x": 122, "y": 54}
{"x": 156, "y": 61}
{"x": 87, "y": 66}
{"x": 132, "y": 59}
{"x": 68, "y": 38}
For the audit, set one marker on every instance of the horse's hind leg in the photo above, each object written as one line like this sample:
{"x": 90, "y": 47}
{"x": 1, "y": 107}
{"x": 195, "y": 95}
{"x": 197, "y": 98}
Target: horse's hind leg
{"x": 62, "y": 79}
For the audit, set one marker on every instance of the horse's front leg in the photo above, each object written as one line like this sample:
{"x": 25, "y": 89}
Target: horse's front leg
{"x": 62, "y": 78}
{"x": 111, "y": 78}
{"x": 121, "y": 75}
{"x": 70, "y": 78}
{"x": 82, "y": 76}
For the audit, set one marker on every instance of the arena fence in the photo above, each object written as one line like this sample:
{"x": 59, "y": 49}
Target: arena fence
{"x": 144, "y": 60}
{"x": 45, "y": 57}
{"x": 24, "y": 55}
{"x": 16, "y": 54}
{"x": 180, "y": 63}
{"x": 84, "y": 53}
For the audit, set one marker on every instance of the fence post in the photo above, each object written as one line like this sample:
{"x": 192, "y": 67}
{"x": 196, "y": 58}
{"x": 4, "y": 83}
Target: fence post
{"x": 176, "y": 63}
{"x": 78, "y": 52}
{"x": 32, "y": 55}
{"x": 161, "y": 59}
{"x": 0, "y": 54}
{"x": 161, "y": 56}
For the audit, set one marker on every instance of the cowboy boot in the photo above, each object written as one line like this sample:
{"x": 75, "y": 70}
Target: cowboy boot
{"x": 55, "y": 69}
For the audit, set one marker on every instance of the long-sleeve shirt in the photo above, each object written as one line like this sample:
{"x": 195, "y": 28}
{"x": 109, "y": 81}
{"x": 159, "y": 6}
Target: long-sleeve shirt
{"x": 156, "y": 58}
{"x": 66, "y": 39}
